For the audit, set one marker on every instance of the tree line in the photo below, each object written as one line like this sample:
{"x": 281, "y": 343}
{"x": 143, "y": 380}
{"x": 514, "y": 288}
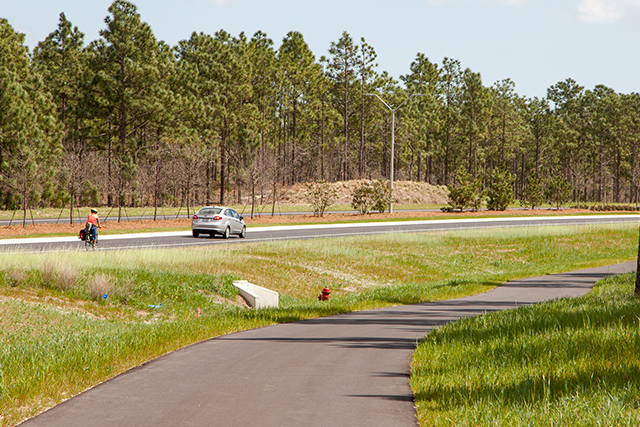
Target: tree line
{"x": 128, "y": 120}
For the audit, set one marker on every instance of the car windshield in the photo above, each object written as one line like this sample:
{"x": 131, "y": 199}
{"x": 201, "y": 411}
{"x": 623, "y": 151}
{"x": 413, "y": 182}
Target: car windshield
{"x": 209, "y": 211}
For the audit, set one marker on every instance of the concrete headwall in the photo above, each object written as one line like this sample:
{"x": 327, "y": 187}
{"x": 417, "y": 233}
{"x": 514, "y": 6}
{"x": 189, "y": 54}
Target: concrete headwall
{"x": 257, "y": 296}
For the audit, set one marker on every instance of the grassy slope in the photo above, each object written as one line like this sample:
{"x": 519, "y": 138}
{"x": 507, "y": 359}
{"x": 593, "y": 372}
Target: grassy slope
{"x": 566, "y": 362}
{"x": 59, "y": 336}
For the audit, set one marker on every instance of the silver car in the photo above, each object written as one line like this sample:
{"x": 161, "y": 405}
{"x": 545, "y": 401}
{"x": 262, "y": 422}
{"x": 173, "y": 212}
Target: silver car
{"x": 221, "y": 220}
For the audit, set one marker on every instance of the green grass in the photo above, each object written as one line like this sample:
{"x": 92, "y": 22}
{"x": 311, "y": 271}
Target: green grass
{"x": 59, "y": 336}
{"x": 566, "y": 362}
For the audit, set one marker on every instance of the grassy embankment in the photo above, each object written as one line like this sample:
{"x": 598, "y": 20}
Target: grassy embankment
{"x": 562, "y": 363}
{"x": 60, "y": 336}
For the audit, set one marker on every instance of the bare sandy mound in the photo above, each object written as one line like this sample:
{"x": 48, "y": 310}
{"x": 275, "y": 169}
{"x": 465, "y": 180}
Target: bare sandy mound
{"x": 404, "y": 192}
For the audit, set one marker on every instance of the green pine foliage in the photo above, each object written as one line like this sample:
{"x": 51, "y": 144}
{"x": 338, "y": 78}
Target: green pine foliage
{"x": 533, "y": 194}
{"x": 500, "y": 194}
{"x": 29, "y": 132}
{"x": 558, "y": 191}
{"x": 467, "y": 193}
{"x": 226, "y": 118}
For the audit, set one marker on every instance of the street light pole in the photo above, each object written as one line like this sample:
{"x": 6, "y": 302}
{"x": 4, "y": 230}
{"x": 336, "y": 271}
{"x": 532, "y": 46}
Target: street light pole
{"x": 393, "y": 137}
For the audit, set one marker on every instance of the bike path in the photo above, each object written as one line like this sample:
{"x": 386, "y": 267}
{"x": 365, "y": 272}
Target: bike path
{"x": 347, "y": 370}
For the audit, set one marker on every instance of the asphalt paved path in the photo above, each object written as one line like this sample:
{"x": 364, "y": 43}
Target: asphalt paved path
{"x": 260, "y": 234}
{"x": 348, "y": 370}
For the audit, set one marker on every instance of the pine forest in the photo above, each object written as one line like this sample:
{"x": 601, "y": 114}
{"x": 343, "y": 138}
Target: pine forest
{"x": 127, "y": 120}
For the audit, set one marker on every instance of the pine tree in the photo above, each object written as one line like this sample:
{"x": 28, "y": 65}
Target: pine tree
{"x": 235, "y": 125}
{"x": 450, "y": 86}
{"x": 197, "y": 83}
{"x": 299, "y": 71}
{"x": 533, "y": 194}
{"x": 29, "y": 132}
{"x": 500, "y": 194}
{"x": 130, "y": 83}
{"x": 558, "y": 190}
{"x": 424, "y": 111}
{"x": 344, "y": 57}
{"x": 61, "y": 61}
{"x": 366, "y": 71}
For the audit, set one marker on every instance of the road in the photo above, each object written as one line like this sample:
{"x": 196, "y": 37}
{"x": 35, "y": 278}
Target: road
{"x": 17, "y": 220}
{"x": 257, "y": 234}
{"x": 349, "y": 370}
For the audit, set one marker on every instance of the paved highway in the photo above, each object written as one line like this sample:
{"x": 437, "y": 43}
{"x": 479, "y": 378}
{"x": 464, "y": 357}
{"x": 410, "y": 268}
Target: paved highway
{"x": 256, "y": 234}
{"x": 113, "y": 217}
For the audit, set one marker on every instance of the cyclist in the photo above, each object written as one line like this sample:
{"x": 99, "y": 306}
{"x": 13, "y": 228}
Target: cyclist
{"x": 93, "y": 223}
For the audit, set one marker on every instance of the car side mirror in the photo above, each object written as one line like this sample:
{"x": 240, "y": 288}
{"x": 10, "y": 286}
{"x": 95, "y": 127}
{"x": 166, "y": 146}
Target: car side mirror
{"x": 241, "y": 218}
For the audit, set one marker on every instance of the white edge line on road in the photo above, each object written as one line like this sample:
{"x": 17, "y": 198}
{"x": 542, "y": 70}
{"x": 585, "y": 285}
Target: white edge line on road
{"x": 254, "y": 230}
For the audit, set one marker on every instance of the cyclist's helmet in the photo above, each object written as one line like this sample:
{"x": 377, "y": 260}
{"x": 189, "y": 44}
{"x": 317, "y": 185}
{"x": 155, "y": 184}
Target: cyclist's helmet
{"x": 94, "y": 211}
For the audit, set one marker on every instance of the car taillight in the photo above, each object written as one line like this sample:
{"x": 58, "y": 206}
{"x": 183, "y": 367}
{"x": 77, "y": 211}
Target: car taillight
{"x": 217, "y": 218}
{"x": 195, "y": 217}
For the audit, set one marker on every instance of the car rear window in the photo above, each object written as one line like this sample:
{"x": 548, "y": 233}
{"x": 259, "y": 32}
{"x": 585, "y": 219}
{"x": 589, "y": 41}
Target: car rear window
{"x": 209, "y": 211}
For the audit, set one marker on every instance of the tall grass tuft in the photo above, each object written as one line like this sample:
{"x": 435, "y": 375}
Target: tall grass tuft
{"x": 67, "y": 277}
{"x": 99, "y": 285}
{"x": 16, "y": 276}
{"x": 58, "y": 275}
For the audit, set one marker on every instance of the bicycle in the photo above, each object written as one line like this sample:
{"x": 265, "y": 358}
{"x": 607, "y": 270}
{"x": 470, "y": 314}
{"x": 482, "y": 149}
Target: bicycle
{"x": 87, "y": 237}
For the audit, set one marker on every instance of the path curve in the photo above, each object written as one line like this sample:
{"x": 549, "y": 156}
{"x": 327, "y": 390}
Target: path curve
{"x": 348, "y": 370}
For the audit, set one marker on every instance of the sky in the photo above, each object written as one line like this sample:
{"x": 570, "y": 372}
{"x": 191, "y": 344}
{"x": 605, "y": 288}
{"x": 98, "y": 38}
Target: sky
{"x": 535, "y": 43}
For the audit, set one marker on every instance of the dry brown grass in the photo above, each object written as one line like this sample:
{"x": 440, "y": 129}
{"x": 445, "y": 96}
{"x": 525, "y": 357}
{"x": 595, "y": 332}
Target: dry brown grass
{"x": 48, "y": 273}
{"x": 58, "y": 275}
{"x": 17, "y": 277}
{"x": 99, "y": 285}
{"x": 67, "y": 277}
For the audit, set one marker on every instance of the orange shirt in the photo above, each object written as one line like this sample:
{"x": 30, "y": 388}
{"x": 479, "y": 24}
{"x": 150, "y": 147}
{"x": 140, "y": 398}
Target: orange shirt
{"x": 93, "y": 219}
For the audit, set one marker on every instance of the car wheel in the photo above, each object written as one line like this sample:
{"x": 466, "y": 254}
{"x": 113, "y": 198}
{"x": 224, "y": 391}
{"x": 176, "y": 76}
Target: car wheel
{"x": 243, "y": 233}
{"x": 195, "y": 233}
{"x": 226, "y": 233}
{"x": 212, "y": 234}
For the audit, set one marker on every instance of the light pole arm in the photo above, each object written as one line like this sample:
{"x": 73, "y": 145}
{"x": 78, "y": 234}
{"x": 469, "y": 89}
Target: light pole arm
{"x": 381, "y": 100}
{"x": 393, "y": 134}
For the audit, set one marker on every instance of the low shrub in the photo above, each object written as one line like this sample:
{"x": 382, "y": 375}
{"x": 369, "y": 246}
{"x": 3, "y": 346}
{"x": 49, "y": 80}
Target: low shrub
{"x": 320, "y": 195}
{"x": 362, "y": 199}
{"x": 371, "y": 196}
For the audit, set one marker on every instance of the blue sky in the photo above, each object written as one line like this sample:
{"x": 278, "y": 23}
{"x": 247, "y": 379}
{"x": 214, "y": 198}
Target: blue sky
{"x": 536, "y": 43}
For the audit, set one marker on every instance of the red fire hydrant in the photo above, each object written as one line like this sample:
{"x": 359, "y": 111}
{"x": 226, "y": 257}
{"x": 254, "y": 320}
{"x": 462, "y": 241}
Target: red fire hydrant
{"x": 324, "y": 296}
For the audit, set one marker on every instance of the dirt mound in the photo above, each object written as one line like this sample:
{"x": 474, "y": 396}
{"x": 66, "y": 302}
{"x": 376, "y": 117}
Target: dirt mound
{"x": 404, "y": 192}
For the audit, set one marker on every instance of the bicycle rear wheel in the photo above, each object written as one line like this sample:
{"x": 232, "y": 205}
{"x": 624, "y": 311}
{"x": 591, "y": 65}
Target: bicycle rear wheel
{"x": 89, "y": 244}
